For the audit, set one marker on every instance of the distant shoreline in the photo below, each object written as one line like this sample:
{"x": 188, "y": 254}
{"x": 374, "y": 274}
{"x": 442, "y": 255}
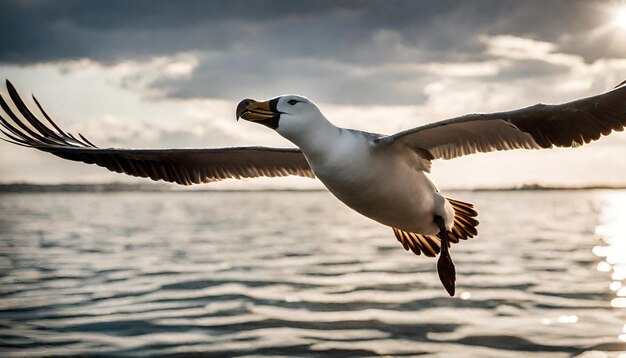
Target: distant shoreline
{"x": 165, "y": 187}
{"x": 535, "y": 187}
{"x": 124, "y": 187}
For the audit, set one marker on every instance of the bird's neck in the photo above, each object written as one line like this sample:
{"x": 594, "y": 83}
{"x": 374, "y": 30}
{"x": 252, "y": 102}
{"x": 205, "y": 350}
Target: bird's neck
{"x": 318, "y": 141}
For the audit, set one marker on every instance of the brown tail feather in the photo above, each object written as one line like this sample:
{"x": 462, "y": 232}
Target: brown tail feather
{"x": 429, "y": 245}
{"x": 464, "y": 228}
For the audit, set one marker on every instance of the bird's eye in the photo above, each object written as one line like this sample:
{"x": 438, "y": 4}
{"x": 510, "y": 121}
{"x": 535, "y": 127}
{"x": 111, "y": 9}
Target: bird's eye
{"x": 292, "y": 102}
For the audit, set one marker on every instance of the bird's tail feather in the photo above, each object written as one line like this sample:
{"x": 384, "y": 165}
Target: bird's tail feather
{"x": 464, "y": 228}
{"x": 464, "y": 221}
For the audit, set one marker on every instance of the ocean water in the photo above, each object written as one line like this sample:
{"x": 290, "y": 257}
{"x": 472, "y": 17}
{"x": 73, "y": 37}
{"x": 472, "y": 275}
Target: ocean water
{"x": 283, "y": 273}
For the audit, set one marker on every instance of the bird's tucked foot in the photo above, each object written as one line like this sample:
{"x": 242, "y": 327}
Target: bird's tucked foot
{"x": 445, "y": 266}
{"x": 446, "y": 271}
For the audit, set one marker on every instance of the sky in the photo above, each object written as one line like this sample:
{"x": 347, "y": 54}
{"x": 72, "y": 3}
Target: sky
{"x": 165, "y": 74}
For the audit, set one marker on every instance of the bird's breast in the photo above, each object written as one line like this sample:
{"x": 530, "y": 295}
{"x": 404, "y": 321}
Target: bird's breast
{"x": 381, "y": 185}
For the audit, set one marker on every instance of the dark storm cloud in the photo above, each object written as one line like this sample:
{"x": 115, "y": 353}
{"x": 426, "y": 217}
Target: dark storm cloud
{"x": 39, "y": 31}
{"x": 317, "y": 48}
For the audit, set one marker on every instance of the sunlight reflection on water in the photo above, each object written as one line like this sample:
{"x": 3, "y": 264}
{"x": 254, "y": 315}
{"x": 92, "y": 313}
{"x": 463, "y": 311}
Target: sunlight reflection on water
{"x": 612, "y": 230}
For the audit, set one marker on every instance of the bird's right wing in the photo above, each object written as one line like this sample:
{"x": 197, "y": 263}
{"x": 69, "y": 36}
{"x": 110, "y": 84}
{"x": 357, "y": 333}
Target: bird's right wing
{"x": 181, "y": 166}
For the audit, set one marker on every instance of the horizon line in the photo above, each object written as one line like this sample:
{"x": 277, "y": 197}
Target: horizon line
{"x": 30, "y": 187}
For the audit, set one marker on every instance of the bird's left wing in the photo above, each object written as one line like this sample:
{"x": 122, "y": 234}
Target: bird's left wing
{"x": 540, "y": 126}
{"x": 181, "y": 166}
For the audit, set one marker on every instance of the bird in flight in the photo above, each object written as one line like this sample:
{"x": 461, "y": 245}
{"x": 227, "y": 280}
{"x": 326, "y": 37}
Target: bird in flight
{"x": 382, "y": 177}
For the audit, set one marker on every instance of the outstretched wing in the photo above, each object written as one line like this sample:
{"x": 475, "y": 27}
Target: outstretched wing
{"x": 541, "y": 126}
{"x": 181, "y": 166}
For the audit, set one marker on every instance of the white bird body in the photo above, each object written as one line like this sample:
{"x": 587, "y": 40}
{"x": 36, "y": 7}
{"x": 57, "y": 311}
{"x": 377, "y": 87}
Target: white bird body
{"x": 379, "y": 182}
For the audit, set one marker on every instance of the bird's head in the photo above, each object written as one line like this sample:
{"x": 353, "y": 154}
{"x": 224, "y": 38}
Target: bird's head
{"x": 289, "y": 115}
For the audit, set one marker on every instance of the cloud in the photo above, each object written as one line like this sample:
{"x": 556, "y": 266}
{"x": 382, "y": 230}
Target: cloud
{"x": 342, "y": 52}
{"x": 39, "y": 31}
{"x": 257, "y": 76}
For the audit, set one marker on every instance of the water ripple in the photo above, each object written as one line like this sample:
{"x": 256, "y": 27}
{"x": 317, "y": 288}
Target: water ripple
{"x": 246, "y": 274}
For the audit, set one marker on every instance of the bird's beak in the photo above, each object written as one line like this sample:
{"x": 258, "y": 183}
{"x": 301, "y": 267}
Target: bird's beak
{"x": 261, "y": 112}
{"x": 252, "y": 110}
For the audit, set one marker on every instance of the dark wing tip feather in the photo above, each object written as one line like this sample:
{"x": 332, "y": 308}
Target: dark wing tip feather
{"x": 575, "y": 123}
{"x": 29, "y": 130}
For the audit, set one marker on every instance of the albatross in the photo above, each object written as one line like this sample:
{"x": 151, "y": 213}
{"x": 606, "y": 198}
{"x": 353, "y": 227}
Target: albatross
{"x": 383, "y": 177}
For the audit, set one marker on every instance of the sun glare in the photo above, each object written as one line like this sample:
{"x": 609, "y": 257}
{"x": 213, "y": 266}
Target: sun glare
{"x": 620, "y": 17}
